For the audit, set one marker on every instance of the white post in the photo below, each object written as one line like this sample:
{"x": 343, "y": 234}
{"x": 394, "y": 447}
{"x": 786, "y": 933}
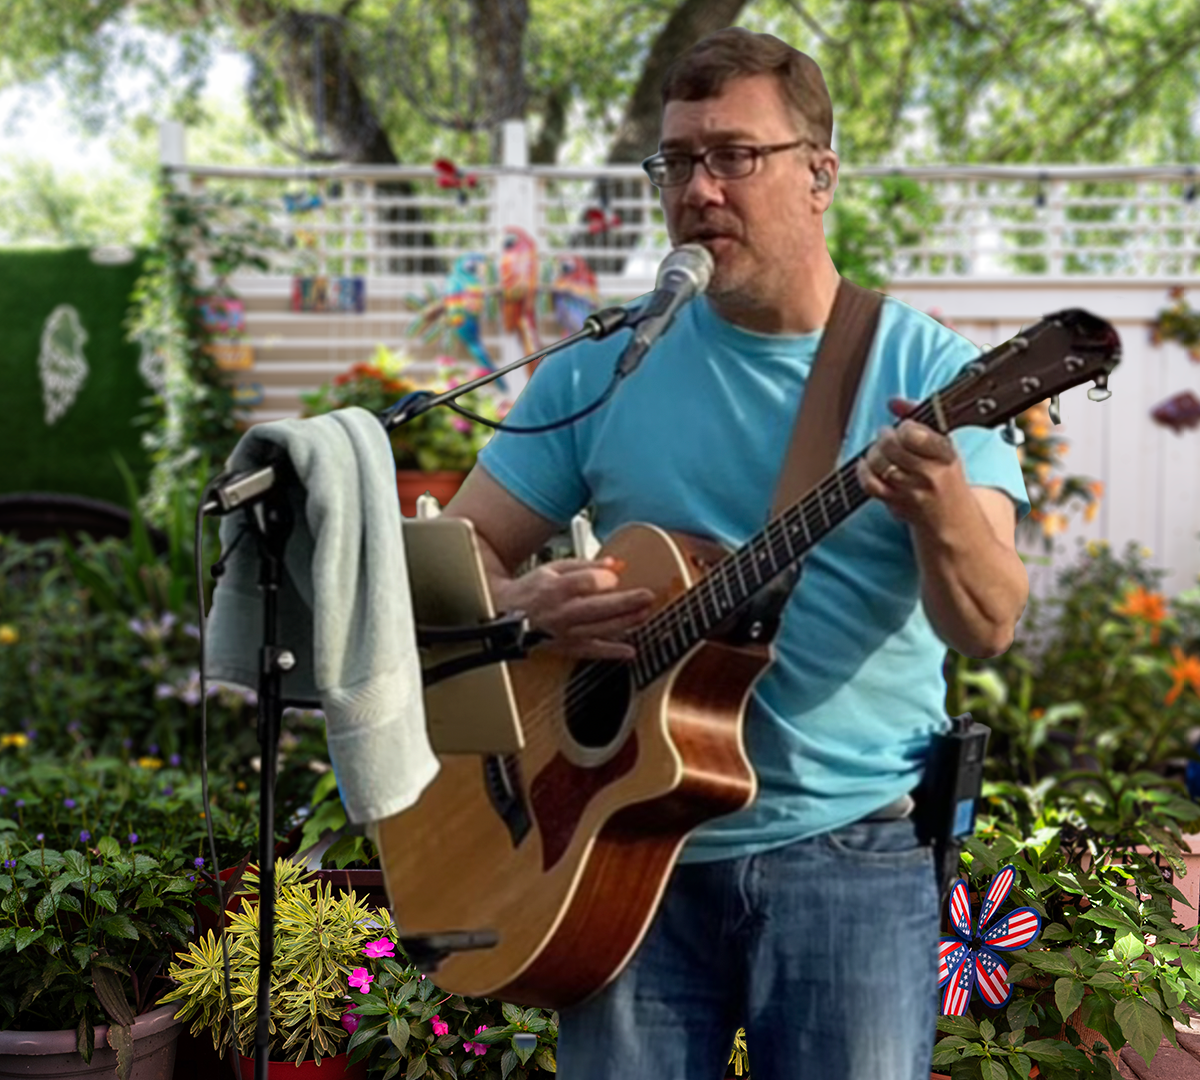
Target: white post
{"x": 172, "y": 149}
{"x": 516, "y": 204}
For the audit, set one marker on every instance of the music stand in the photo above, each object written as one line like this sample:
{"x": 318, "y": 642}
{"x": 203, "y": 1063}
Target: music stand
{"x": 469, "y": 702}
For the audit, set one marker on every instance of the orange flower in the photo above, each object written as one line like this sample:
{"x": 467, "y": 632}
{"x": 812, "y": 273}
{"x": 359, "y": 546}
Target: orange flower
{"x": 1096, "y": 487}
{"x": 1140, "y": 604}
{"x": 1186, "y": 670}
{"x": 1054, "y": 524}
{"x": 1090, "y": 511}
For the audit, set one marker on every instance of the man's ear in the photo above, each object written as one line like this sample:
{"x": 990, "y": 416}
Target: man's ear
{"x": 824, "y": 171}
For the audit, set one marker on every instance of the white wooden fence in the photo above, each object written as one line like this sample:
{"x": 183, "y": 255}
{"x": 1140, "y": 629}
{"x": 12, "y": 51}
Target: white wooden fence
{"x": 997, "y": 249}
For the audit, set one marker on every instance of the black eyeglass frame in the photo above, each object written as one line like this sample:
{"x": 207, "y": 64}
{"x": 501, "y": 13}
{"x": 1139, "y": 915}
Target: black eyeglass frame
{"x": 758, "y": 152}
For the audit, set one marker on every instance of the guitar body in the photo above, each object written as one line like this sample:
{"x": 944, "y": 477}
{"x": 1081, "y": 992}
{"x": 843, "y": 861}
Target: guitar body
{"x": 565, "y": 848}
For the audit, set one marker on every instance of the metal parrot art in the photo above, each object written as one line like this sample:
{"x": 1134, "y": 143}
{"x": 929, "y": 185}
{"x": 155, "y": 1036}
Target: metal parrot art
{"x": 568, "y": 286}
{"x": 574, "y": 293}
{"x": 519, "y": 287}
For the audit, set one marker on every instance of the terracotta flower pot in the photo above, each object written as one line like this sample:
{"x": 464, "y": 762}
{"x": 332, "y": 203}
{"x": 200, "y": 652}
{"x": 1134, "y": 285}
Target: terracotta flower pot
{"x": 54, "y": 1053}
{"x": 412, "y": 483}
{"x": 330, "y": 1068}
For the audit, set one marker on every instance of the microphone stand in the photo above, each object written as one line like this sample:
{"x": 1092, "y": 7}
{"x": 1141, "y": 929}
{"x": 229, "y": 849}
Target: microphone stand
{"x": 259, "y": 493}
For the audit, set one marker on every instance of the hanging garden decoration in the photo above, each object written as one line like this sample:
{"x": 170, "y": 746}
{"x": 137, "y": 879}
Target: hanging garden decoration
{"x": 969, "y": 960}
{"x": 314, "y": 83}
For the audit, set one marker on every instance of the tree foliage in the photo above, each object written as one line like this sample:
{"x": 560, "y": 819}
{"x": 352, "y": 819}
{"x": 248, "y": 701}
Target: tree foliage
{"x": 957, "y": 80}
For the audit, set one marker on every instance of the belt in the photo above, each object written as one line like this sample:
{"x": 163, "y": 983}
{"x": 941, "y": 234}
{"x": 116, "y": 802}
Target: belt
{"x": 898, "y": 808}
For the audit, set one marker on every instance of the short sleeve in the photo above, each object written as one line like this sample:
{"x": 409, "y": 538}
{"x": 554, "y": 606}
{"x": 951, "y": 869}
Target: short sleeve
{"x": 989, "y": 460}
{"x": 542, "y": 470}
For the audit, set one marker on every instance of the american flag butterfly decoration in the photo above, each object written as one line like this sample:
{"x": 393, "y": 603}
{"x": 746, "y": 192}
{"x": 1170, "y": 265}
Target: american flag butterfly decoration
{"x": 969, "y": 960}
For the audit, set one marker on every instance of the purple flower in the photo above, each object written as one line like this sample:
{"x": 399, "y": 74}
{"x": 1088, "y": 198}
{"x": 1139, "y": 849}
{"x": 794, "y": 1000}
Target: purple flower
{"x": 168, "y": 790}
{"x": 163, "y": 690}
{"x": 152, "y": 749}
{"x": 191, "y": 877}
{"x": 138, "y": 627}
{"x": 19, "y": 803}
{"x": 198, "y": 861}
{"x": 40, "y": 837}
{"x": 3, "y": 790}
{"x": 69, "y": 804}
{"x": 127, "y": 743}
{"x": 84, "y": 836}
{"x": 351, "y": 1020}
{"x": 73, "y": 727}
{"x": 9, "y": 863}
{"x": 133, "y": 838}
{"x": 174, "y": 761}
{"x": 192, "y": 630}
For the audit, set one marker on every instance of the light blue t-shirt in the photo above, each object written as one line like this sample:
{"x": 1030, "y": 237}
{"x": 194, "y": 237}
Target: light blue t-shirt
{"x": 694, "y": 441}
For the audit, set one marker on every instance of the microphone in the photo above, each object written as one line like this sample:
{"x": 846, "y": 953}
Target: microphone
{"x": 684, "y": 275}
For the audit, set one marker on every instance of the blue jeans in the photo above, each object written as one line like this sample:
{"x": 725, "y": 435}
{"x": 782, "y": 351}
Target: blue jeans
{"x": 824, "y": 950}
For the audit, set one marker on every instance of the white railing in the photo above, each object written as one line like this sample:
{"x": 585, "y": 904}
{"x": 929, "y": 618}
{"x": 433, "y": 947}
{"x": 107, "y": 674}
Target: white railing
{"x": 944, "y": 222}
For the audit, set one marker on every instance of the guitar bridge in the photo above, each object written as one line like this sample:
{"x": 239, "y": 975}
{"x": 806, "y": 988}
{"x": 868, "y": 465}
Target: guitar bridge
{"x": 427, "y": 951}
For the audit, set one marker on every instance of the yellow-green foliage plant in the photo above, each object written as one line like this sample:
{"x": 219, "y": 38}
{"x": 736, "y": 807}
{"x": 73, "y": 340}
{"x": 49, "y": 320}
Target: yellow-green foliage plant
{"x": 319, "y": 937}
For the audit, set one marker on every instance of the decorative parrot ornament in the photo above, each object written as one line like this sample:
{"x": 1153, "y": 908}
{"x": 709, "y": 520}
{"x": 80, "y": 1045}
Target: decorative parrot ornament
{"x": 573, "y": 293}
{"x": 519, "y": 287}
{"x": 459, "y": 308}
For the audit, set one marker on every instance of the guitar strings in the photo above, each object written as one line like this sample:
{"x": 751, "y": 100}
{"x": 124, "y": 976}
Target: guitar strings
{"x": 672, "y": 616}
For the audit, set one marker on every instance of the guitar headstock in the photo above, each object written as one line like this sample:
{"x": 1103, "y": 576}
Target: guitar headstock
{"x": 1062, "y": 351}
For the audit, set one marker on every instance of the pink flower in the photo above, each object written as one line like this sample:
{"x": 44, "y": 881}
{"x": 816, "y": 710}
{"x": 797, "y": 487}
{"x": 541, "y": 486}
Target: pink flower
{"x": 361, "y": 978}
{"x": 351, "y": 1020}
{"x": 382, "y": 947}
{"x": 478, "y": 1049}
{"x": 460, "y": 424}
{"x": 451, "y": 384}
{"x": 440, "y": 1027}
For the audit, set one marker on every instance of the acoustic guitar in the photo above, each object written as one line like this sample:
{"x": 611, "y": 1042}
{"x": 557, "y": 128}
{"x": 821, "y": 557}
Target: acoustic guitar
{"x": 562, "y": 851}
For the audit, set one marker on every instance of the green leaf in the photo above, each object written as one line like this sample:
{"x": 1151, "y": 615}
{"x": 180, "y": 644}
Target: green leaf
{"x": 26, "y": 936}
{"x": 987, "y": 1029}
{"x": 1068, "y": 996}
{"x": 508, "y": 1062}
{"x": 120, "y": 1038}
{"x": 544, "y": 1059}
{"x": 118, "y": 926}
{"x": 1045, "y": 1049}
{"x": 399, "y": 1033}
{"x": 1106, "y": 916}
{"x": 108, "y": 847}
{"x": 1053, "y": 962}
{"x": 416, "y": 1068}
{"x": 958, "y": 1025}
{"x": 993, "y": 1070}
{"x": 1141, "y": 1025}
{"x": 111, "y": 992}
{"x": 1129, "y": 946}
{"x": 105, "y": 899}
{"x": 1020, "y": 1012}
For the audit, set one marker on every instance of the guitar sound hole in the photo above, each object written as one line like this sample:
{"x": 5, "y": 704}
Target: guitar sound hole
{"x": 597, "y": 698}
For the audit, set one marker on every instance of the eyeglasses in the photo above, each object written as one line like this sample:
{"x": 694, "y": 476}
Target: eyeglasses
{"x": 721, "y": 162}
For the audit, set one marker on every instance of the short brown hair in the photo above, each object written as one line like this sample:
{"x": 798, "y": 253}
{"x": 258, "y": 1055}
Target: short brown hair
{"x": 735, "y": 52}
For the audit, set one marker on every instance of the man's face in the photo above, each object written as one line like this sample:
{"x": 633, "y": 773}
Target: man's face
{"x": 754, "y": 225}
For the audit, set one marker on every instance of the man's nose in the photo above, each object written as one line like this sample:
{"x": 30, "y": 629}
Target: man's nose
{"x": 701, "y": 189}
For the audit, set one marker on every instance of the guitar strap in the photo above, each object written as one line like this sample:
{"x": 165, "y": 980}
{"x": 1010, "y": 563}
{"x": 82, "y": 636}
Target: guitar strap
{"x": 830, "y": 394}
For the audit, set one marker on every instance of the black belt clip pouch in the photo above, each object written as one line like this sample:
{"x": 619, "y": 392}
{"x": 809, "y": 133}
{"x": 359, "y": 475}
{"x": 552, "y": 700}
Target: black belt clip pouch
{"x": 950, "y": 788}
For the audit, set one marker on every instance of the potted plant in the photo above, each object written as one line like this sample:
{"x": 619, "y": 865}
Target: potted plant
{"x": 433, "y": 452}
{"x": 85, "y": 933}
{"x": 402, "y": 1023}
{"x": 319, "y": 937}
{"x": 1090, "y": 716}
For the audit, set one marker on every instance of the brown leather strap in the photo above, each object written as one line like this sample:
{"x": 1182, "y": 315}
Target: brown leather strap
{"x": 829, "y": 395}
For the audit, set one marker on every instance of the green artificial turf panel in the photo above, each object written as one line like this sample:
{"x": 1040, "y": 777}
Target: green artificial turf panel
{"x": 75, "y": 454}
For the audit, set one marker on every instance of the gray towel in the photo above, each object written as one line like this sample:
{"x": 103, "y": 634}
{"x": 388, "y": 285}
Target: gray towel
{"x": 345, "y": 609}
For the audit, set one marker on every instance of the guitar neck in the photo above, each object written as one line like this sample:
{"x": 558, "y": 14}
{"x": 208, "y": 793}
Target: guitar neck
{"x": 737, "y": 579}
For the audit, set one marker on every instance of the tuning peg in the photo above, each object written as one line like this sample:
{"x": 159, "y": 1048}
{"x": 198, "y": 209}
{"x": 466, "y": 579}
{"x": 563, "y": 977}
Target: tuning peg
{"x": 1099, "y": 392}
{"x": 1055, "y": 415}
{"x": 1012, "y": 434}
